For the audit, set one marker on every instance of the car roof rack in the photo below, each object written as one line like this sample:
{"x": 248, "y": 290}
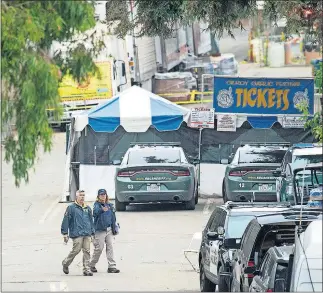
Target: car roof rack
{"x": 287, "y": 144}
{"x": 296, "y": 213}
{"x": 231, "y": 204}
{"x": 132, "y": 144}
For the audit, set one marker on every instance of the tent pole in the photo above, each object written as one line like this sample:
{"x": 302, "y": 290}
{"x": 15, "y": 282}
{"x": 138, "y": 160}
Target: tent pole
{"x": 200, "y": 143}
{"x": 95, "y": 155}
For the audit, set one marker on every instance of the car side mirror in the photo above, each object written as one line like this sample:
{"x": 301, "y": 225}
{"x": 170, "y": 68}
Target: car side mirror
{"x": 224, "y": 161}
{"x": 230, "y": 158}
{"x": 195, "y": 161}
{"x": 212, "y": 235}
{"x": 277, "y": 172}
{"x": 279, "y": 285}
{"x": 220, "y": 231}
{"x": 116, "y": 162}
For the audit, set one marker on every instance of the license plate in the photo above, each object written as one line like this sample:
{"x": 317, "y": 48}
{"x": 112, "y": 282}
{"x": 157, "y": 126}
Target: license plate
{"x": 153, "y": 187}
{"x": 265, "y": 187}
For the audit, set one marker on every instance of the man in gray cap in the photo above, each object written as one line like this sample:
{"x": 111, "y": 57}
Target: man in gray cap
{"x": 105, "y": 228}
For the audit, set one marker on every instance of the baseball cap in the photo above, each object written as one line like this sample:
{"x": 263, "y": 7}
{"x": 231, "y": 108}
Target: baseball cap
{"x": 102, "y": 191}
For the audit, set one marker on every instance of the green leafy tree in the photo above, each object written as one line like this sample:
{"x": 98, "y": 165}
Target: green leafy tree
{"x": 31, "y": 75}
{"x": 161, "y": 18}
{"x": 314, "y": 123}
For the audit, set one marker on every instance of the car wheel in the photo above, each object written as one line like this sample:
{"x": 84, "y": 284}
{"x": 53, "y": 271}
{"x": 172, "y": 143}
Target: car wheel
{"x": 62, "y": 128}
{"x": 205, "y": 284}
{"x": 120, "y": 206}
{"x": 224, "y": 193}
{"x": 190, "y": 205}
{"x": 196, "y": 196}
{"x": 224, "y": 282}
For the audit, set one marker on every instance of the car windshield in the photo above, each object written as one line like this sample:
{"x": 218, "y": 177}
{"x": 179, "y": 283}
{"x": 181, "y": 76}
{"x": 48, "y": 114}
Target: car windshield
{"x": 153, "y": 156}
{"x": 301, "y": 161}
{"x": 237, "y": 225}
{"x": 261, "y": 155}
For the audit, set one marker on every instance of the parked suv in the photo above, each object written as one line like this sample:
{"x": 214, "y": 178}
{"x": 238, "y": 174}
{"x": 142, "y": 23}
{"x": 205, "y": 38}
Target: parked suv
{"x": 249, "y": 175}
{"x": 296, "y": 156}
{"x": 263, "y": 232}
{"x": 274, "y": 267}
{"x": 222, "y": 236}
{"x": 299, "y": 182}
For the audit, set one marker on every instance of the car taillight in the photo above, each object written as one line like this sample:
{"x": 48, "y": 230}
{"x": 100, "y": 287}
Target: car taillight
{"x": 237, "y": 173}
{"x": 181, "y": 173}
{"x": 269, "y": 290}
{"x": 251, "y": 264}
{"x": 125, "y": 173}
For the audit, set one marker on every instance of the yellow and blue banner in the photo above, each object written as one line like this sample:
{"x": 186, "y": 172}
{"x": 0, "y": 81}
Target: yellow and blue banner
{"x": 92, "y": 88}
{"x": 263, "y": 96}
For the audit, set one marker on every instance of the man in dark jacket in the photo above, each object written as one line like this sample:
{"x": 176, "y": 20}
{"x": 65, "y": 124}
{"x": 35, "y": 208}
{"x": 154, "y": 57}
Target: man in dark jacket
{"x": 105, "y": 227}
{"x": 78, "y": 225}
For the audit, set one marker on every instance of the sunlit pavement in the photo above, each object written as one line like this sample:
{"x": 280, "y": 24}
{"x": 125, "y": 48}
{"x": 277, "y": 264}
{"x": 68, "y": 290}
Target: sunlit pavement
{"x": 149, "y": 249}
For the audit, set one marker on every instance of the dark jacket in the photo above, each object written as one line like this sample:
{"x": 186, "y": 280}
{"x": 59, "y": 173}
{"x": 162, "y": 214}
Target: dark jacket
{"x": 77, "y": 221}
{"x": 102, "y": 219}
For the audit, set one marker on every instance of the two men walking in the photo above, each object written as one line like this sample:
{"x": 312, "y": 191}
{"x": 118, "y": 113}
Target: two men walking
{"x": 78, "y": 224}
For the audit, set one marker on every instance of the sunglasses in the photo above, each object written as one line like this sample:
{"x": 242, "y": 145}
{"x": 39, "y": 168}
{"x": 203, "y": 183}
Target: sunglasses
{"x": 102, "y": 193}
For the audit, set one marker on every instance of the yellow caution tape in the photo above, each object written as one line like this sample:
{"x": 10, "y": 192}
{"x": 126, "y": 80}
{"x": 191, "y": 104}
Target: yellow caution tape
{"x": 186, "y": 94}
{"x": 194, "y": 102}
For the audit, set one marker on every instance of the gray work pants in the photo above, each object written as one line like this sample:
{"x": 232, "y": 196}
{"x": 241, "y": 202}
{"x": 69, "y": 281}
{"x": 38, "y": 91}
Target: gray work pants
{"x": 103, "y": 238}
{"x": 80, "y": 243}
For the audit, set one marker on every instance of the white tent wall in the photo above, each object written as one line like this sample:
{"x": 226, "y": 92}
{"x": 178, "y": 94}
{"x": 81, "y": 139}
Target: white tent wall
{"x": 70, "y": 186}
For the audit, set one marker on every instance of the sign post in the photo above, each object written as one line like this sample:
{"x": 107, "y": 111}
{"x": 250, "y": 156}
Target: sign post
{"x": 201, "y": 118}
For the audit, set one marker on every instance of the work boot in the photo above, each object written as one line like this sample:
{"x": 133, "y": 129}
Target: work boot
{"x": 93, "y": 270}
{"x": 65, "y": 269}
{"x": 87, "y": 274}
{"x": 113, "y": 270}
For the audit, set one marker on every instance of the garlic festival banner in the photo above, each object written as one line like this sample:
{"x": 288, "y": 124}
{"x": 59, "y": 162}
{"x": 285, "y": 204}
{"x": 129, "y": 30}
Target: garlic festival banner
{"x": 263, "y": 96}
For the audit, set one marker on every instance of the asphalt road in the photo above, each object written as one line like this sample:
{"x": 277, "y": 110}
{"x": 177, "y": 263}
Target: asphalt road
{"x": 149, "y": 249}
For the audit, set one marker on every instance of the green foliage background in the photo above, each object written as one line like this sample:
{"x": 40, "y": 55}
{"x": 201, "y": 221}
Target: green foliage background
{"x": 30, "y": 77}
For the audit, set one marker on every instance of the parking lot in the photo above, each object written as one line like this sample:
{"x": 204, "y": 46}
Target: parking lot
{"x": 149, "y": 249}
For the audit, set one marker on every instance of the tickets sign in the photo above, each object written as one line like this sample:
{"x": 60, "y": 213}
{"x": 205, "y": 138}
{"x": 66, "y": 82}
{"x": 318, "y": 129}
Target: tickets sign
{"x": 270, "y": 96}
